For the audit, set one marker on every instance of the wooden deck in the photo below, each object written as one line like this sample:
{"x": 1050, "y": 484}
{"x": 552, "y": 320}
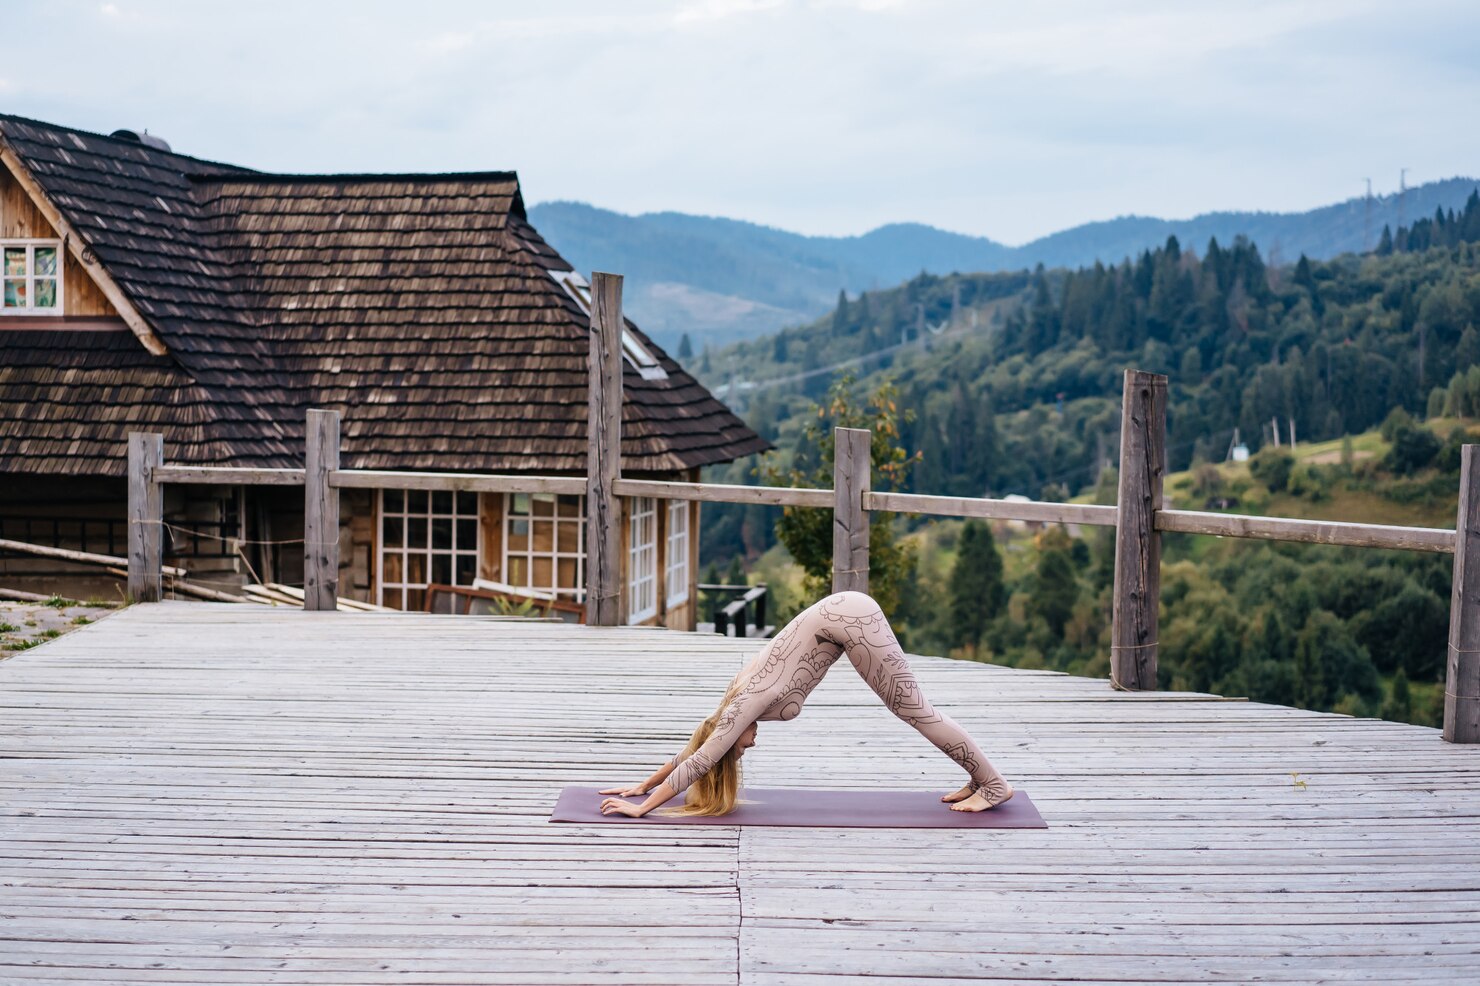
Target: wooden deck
{"x": 213, "y": 794}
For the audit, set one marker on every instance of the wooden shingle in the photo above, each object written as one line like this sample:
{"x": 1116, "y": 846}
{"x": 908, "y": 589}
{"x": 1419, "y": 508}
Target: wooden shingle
{"x": 421, "y": 307}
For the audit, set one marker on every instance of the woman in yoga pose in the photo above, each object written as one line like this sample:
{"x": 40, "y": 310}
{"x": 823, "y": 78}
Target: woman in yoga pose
{"x": 776, "y": 683}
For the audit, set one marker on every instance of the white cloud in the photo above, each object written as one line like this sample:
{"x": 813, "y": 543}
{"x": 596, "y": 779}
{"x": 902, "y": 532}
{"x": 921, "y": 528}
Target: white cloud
{"x": 1005, "y": 119}
{"x": 717, "y": 10}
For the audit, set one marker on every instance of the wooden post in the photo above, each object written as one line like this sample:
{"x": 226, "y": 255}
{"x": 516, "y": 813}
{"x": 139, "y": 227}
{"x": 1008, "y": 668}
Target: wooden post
{"x": 604, "y": 454}
{"x": 851, "y": 469}
{"x": 320, "y": 512}
{"x": 145, "y": 517}
{"x": 1143, "y": 420}
{"x": 1462, "y": 681}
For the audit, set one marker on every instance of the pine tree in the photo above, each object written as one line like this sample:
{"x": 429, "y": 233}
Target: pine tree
{"x": 977, "y": 592}
{"x": 685, "y": 348}
{"x": 840, "y": 314}
{"x": 1055, "y": 590}
{"x": 1399, "y": 706}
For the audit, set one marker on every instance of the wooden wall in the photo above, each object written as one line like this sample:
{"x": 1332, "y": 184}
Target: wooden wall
{"x": 72, "y": 499}
{"x": 20, "y": 219}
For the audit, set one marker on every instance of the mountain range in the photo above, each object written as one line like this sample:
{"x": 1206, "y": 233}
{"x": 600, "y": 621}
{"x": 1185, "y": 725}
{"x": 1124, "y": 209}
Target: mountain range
{"x": 721, "y": 280}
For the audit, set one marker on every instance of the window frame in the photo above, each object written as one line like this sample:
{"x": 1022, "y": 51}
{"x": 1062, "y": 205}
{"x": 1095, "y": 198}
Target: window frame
{"x": 403, "y": 586}
{"x": 578, "y": 592}
{"x": 633, "y": 351}
{"x": 31, "y": 244}
{"x": 676, "y": 574}
{"x": 642, "y": 559}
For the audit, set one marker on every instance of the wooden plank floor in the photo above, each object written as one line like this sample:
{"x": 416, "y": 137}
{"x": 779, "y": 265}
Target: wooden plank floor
{"x": 213, "y": 794}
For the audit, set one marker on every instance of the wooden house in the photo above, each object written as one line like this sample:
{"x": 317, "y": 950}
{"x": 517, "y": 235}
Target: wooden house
{"x": 145, "y": 290}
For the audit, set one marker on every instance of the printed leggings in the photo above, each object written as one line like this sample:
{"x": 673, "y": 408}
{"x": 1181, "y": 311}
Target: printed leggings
{"x": 853, "y": 623}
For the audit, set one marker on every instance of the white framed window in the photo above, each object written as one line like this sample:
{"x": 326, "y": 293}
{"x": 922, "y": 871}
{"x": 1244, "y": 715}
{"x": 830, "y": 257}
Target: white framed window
{"x": 633, "y": 350}
{"x": 676, "y": 552}
{"x": 30, "y": 277}
{"x": 426, "y": 537}
{"x": 642, "y": 559}
{"x": 544, "y": 543}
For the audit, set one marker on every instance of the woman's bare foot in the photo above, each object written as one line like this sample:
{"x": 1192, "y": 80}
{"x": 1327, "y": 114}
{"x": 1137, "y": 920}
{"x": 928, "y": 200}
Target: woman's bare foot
{"x": 987, "y": 797}
{"x": 960, "y": 795}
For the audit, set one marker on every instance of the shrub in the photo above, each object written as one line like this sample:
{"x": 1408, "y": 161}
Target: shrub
{"x": 1413, "y": 448}
{"x": 1272, "y": 467}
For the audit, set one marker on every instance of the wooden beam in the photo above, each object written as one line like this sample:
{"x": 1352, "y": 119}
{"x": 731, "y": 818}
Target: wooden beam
{"x": 229, "y": 476}
{"x": 851, "y": 479}
{"x": 1137, "y": 543}
{"x": 604, "y": 454}
{"x": 320, "y": 512}
{"x": 1462, "y": 672}
{"x": 956, "y": 506}
{"x": 1306, "y": 531}
{"x": 19, "y": 595}
{"x": 78, "y": 247}
{"x": 82, "y": 557}
{"x": 145, "y": 517}
{"x": 200, "y": 592}
{"x": 784, "y": 496}
{"x": 370, "y": 479}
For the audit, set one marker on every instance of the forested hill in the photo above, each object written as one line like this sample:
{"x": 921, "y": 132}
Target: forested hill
{"x": 721, "y": 279}
{"x": 1014, "y": 378}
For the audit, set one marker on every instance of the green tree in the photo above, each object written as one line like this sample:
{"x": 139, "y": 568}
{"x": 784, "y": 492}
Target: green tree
{"x": 1399, "y": 706}
{"x": 685, "y": 347}
{"x": 1413, "y": 448}
{"x": 1272, "y": 467}
{"x": 807, "y": 532}
{"x": 1055, "y": 589}
{"x": 977, "y": 591}
{"x": 1330, "y": 664}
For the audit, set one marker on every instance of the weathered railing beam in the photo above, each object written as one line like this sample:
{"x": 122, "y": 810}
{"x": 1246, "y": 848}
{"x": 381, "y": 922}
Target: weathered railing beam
{"x": 1462, "y": 670}
{"x": 460, "y": 482}
{"x": 780, "y": 496}
{"x": 851, "y": 479}
{"x": 1143, "y": 429}
{"x": 1024, "y": 510}
{"x": 1306, "y": 531}
{"x": 321, "y": 512}
{"x": 229, "y": 476}
{"x": 145, "y": 517}
{"x": 604, "y": 454}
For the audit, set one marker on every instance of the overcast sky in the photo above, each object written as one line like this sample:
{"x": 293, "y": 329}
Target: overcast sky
{"x": 1008, "y": 120}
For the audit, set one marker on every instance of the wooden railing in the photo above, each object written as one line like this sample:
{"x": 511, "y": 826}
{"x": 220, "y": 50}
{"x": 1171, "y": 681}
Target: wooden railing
{"x": 1138, "y": 516}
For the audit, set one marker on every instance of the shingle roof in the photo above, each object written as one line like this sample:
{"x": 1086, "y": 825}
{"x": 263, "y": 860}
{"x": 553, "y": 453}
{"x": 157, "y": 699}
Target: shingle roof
{"x": 420, "y": 306}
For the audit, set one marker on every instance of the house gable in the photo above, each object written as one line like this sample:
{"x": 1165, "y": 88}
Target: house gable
{"x": 88, "y": 290}
{"x": 21, "y": 219}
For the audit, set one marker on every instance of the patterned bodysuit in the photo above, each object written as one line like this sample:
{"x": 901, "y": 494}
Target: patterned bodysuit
{"x": 784, "y": 674}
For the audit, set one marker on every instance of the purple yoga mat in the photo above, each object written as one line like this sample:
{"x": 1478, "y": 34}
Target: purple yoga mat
{"x": 820, "y": 809}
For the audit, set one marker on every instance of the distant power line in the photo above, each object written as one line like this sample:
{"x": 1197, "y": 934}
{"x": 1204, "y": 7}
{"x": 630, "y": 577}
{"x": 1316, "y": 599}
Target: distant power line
{"x": 749, "y": 386}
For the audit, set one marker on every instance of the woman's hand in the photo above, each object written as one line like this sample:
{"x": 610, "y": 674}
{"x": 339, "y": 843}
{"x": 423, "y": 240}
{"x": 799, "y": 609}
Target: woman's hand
{"x": 630, "y": 791}
{"x": 614, "y": 806}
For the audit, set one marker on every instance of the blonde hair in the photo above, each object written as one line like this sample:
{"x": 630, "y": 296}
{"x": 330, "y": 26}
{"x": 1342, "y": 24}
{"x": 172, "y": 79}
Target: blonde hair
{"x": 717, "y": 792}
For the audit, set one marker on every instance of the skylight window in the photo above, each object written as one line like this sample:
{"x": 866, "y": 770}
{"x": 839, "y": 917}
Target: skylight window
{"x": 30, "y": 277}
{"x": 636, "y": 354}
